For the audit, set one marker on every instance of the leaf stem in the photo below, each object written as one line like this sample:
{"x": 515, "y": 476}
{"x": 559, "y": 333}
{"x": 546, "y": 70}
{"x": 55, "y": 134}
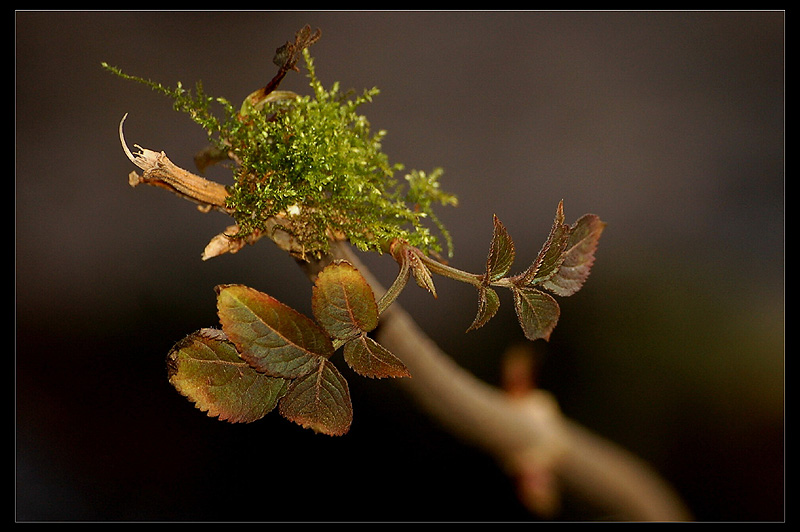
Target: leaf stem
{"x": 396, "y": 288}
{"x": 453, "y": 273}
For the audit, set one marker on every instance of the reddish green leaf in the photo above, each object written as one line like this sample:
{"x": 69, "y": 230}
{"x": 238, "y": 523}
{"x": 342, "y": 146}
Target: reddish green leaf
{"x": 501, "y": 253}
{"x": 537, "y": 311}
{"x": 319, "y": 401}
{"x": 370, "y": 359}
{"x": 273, "y": 338}
{"x": 343, "y": 302}
{"x": 578, "y": 256}
{"x": 488, "y": 303}
{"x": 206, "y": 368}
{"x": 550, "y": 256}
{"x": 422, "y": 275}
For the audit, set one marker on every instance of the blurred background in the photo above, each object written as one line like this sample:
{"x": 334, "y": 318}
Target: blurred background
{"x": 669, "y": 125}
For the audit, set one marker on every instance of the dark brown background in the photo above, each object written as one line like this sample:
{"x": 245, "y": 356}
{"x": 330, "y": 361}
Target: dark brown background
{"x": 669, "y": 125}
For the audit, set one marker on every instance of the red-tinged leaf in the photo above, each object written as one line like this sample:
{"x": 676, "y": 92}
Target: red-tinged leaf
{"x": 422, "y": 275}
{"x": 271, "y": 337}
{"x": 488, "y": 303}
{"x": 410, "y": 261}
{"x": 537, "y": 311}
{"x": 550, "y": 256}
{"x": 319, "y": 401}
{"x": 343, "y": 302}
{"x": 578, "y": 256}
{"x": 501, "y": 253}
{"x": 368, "y": 358}
{"x": 206, "y": 368}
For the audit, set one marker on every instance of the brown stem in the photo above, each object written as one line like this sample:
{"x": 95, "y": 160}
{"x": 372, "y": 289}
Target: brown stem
{"x": 159, "y": 171}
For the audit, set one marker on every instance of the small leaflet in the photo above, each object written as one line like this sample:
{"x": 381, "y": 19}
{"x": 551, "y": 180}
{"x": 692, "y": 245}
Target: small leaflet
{"x": 206, "y": 368}
{"x": 537, "y": 311}
{"x": 319, "y": 401}
{"x": 272, "y": 337}
{"x": 370, "y": 359}
{"x": 343, "y": 302}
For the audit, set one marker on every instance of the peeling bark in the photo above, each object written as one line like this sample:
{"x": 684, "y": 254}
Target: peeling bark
{"x": 159, "y": 171}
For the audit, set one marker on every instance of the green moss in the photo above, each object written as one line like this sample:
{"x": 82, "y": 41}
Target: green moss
{"x": 315, "y": 161}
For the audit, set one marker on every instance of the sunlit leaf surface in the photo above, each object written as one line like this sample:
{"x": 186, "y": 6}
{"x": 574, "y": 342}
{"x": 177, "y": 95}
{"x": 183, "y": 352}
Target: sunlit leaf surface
{"x": 343, "y": 302}
{"x": 272, "y": 337}
{"x": 319, "y": 401}
{"x": 206, "y": 368}
{"x": 370, "y": 359}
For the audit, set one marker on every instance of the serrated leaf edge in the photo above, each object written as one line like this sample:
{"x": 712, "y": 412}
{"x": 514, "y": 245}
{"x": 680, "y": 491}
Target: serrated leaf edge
{"x": 398, "y": 364}
{"x": 257, "y": 361}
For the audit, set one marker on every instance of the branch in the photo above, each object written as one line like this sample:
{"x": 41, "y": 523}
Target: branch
{"x": 159, "y": 171}
{"x": 525, "y": 432}
{"x": 527, "y": 435}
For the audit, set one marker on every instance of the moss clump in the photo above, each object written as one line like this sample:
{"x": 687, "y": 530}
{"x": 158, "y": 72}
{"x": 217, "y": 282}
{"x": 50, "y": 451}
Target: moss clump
{"x": 313, "y": 161}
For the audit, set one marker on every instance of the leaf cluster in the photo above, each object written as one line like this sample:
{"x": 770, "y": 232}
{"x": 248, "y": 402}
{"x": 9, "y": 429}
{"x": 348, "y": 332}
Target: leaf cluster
{"x": 560, "y": 268}
{"x": 267, "y": 354}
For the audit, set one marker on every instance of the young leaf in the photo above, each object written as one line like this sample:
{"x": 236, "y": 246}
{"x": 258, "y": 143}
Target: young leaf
{"x": 537, "y": 312}
{"x": 320, "y": 401}
{"x": 410, "y": 261}
{"x": 370, "y": 359}
{"x": 498, "y": 263}
{"x": 550, "y": 256}
{"x": 488, "y": 303}
{"x": 578, "y": 256}
{"x": 206, "y": 368}
{"x": 422, "y": 275}
{"x": 501, "y": 253}
{"x": 343, "y": 302}
{"x": 271, "y": 337}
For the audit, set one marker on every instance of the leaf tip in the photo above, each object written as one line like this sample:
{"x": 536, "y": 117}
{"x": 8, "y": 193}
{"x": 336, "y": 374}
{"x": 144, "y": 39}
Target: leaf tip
{"x": 370, "y": 359}
{"x": 488, "y": 304}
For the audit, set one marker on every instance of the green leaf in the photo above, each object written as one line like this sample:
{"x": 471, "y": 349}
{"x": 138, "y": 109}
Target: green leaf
{"x": 370, "y": 359}
{"x": 343, "y": 302}
{"x": 271, "y": 337}
{"x": 206, "y": 368}
{"x": 320, "y": 401}
{"x": 550, "y": 256}
{"x": 537, "y": 311}
{"x": 488, "y": 303}
{"x": 578, "y": 256}
{"x": 501, "y": 253}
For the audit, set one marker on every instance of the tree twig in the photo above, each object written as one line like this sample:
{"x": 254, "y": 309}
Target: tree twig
{"x": 528, "y": 436}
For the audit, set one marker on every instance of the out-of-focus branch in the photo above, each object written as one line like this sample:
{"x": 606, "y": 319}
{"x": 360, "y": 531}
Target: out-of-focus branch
{"x": 528, "y": 435}
{"x": 523, "y": 433}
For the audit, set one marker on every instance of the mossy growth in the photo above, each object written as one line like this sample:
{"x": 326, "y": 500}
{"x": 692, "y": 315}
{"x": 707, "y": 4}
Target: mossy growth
{"x": 314, "y": 162}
